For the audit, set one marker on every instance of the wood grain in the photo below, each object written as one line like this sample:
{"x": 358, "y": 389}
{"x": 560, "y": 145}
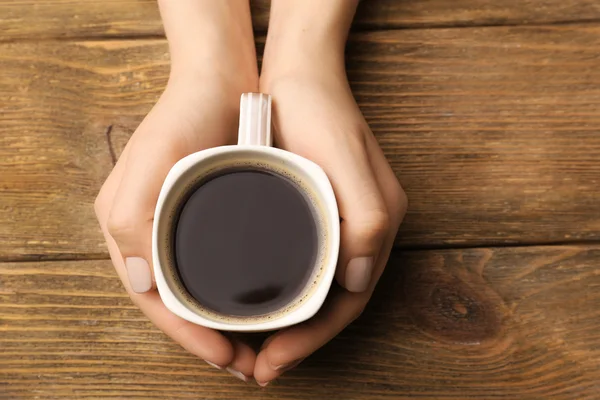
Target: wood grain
{"x": 62, "y": 103}
{"x": 492, "y": 131}
{"x": 508, "y": 323}
{"x": 26, "y": 19}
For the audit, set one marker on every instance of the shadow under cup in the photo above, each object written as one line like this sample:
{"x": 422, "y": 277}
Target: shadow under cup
{"x": 235, "y": 159}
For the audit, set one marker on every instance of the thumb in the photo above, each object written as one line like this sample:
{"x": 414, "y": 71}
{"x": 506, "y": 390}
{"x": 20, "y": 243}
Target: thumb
{"x": 364, "y": 217}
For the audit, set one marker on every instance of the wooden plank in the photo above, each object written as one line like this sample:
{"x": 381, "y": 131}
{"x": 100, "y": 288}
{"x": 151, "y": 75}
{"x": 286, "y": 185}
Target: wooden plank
{"x": 505, "y": 323}
{"x": 26, "y": 19}
{"x": 492, "y": 131}
{"x": 58, "y": 101}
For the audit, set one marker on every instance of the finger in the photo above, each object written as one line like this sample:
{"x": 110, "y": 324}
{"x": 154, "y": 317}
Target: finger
{"x": 131, "y": 215}
{"x": 393, "y": 195}
{"x": 106, "y": 196}
{"x": 203, "y": 342}
{"x": 362, "y": 209}
{"x": 394, "y": 198}
{"x": 263, "y": 372}
{"x": 267, "y": 373}
{"x": 104, "y": 201}
{"x": 242, "y": 365}
{"x": 363, "y": 213}
{"x": 150, "y": 158}
{"x": 292, "y": 345}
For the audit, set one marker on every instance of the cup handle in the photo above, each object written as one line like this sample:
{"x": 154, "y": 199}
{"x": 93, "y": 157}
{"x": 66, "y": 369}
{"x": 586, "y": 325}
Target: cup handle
{"x": 255, "y": 120}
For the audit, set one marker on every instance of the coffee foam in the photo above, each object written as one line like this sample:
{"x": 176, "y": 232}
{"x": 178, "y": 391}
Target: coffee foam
{"x": 218, "y": 165}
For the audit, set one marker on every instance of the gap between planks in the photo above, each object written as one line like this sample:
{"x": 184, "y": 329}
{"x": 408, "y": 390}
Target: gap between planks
{"x": 260, "y": 34}
{"x": 102, "y": 256}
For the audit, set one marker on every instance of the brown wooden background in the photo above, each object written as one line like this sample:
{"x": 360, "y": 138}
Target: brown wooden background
{"x": 488, "y": 111}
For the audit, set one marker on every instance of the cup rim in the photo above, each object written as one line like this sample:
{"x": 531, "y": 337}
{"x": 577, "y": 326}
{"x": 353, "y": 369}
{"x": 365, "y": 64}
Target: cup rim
{"x": 301, "y": 312}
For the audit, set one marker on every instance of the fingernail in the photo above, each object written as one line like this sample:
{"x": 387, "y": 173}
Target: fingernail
{"x": 263, "y": 384}
{"x": 213, "y": 365}
{"x": 358, "y": 274}
{"x": 237, "y": 374}
{"x": 138, "y": 272}
{"x": 288, "y": 366}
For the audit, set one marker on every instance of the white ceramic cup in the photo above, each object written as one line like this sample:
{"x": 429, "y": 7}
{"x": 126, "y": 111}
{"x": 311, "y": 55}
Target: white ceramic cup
{"x": 254, "y": 149}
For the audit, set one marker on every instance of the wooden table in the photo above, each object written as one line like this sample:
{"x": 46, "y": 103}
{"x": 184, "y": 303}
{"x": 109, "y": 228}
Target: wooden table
{"x": 488, "y": 111}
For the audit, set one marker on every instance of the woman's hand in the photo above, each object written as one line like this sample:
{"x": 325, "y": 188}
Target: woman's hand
{"x": 211, "y": 65}
{"x": 316, "y": 116}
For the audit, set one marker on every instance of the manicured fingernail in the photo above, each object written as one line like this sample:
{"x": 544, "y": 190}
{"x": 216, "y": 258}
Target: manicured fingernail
{"x": 288, "y": 366}
{"x": 263, "y": 384}
{"x": 138, "y": 272}
{"x": 213, "y": 365}
{"x": 238, "y": 374}
{"x": 358, "y": 274}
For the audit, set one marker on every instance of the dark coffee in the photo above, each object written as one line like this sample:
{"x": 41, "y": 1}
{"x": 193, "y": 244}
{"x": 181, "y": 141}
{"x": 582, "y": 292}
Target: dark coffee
{"x": 246, "y": 242}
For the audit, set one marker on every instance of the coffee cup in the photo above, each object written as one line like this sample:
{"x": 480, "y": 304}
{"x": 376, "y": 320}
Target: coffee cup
{"x": 246, "y": 237}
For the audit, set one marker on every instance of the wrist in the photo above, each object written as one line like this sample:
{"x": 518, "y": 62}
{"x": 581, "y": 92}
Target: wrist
{"x": 210, "y": 38}
{"x": 311, "y": 23}
{"x": 305, "y": 36}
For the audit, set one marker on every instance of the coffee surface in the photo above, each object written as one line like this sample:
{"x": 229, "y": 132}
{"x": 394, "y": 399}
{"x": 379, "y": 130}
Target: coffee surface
{"x": 246, "y": 243}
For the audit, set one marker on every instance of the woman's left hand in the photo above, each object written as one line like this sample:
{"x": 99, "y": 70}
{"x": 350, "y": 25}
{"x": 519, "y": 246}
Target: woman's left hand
{"x": 316, "y": 116}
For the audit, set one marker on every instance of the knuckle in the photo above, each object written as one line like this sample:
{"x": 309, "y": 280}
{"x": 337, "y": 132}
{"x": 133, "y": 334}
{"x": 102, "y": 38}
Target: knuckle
{"x": 398, "y": 200}
{"x": 120, "y": 226}
{"x": 102, "y": 201}
{"x": 376, "y": 224}
{"x": 381, "y": 222}
{"x": 98, "y": 204}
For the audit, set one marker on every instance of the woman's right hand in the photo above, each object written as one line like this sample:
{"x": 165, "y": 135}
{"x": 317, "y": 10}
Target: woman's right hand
{"x": 199, "y": 109}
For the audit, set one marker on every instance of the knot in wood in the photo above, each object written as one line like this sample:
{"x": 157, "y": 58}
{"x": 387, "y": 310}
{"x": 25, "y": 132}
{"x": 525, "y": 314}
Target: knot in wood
{"x": 460, "y": 309}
